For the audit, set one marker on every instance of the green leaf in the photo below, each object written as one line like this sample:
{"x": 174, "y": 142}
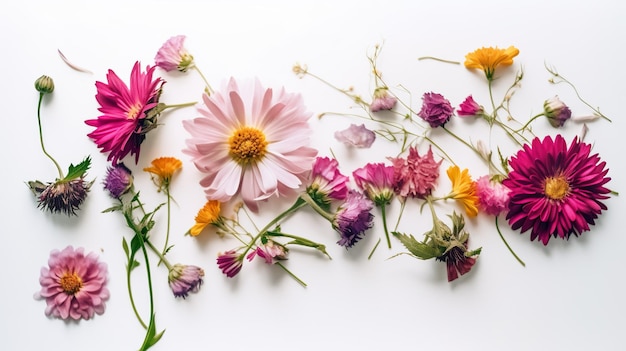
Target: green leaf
{"x": 135, "y": 244}
{"x": 125, "y": 247}
{"x": 113, "y": 209}
{"x": 79, "y": 170}
{"x": 418, "y": 249}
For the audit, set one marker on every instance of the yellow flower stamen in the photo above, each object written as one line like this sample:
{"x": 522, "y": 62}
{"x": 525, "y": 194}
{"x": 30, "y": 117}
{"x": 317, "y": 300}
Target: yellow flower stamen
{"x": 487, "y": 59}
{"x": 133, "y": 111}
{"x": 556, "y": 188}
{"x": 463, "y": 190}
{"x": 71, "y": 283}
{"x": 247, "y": 145}
{"x": 209, "y": 214}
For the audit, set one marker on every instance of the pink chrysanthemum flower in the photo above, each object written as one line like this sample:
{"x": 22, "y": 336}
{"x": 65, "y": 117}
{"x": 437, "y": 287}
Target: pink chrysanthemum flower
{"x": 173, "y": 55}
{"x": 128, "y": 113}
{"x": 250, "y": 141}
{"x": 230, "y": 263}
{"x": 556, "y": 190}
{"x": 377, "y": 182}
{"x": 416, "y": 175}
{"x": 469, "y": 108}
{"x": 357, "y": 136}
{"x": 327, "y": 182}
{"x": 436, "y": 110}
{"x": 185, "y": 279}
{"x": 74, "y": 284}
{"x": 353, "y": 218}
{"x": 493, "y": 196}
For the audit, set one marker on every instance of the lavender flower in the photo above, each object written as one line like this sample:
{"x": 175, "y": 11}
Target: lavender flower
{"x": 184, "y": 279}
{"x": 353, "y": 218}
{"x": 118, "y": 180}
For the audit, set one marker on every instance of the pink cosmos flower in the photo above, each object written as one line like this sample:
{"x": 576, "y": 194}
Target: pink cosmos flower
{"x": 250, "y": 141}
{"x": 353, "y": 218}
{"x": 357, "y": 136}
{"x": 493, "y": 197}
{"x": 173, "y": 55}
{"x": 74, "y": 284}
{"x": 556, "y": 111}
{"x": 382, "y": 100}
{"x": 556, "y": 189}
{"x": 127, "y": 113}
{"x": 469, "y": 107}
{"x": 230, "y": 262}
{"x": 436, "y": 110}
{"x": 327, "y": 181}
{"x": 185, "y": 279}
{"x": 377, "y": 182}
{"x": 416, "y": 175}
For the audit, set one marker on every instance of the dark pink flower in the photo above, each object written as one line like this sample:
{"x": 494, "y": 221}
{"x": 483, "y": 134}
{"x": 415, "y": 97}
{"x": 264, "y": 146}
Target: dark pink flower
{"x": 436, "y": 110}
{"x": 74, "y": 284}
{"x": 357, "y": 136}
{"x": 269, "y": 251}
{"x": 128, "y": 113}
{"x": 353, "y": 218}
{"x": 377, "y": 182}
{"x": 382, "y": 100}
{"x": 327, "y": 181}
{"x": 556, "y": 112}
{"x": 173, "y": 55}
{"x": 493, "y": 196}
{"x": 230, "y": 262}
{"x": 457, "y": 262}
{"x": 416, "y": 175}
{"x": 556, "y": 189}
{"x": 185, "y": 279}
{"x": 469, "y": 107}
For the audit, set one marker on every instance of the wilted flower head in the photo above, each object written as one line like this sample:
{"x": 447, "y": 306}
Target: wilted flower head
{"x": 469, "y": 107}
{"x": 377, "y": 182}
{"x": 382, "y": 100}
{"x": 230, "y": 262}
{"x": 556, "y": 112}
{"x": 327, "y": 182}
{"x": 185, "y": 279}
{"x": 208, "y": 214}
{"x": 64, "y": 196}
{"x": 269, "y": 251}
{"x": 436, "y": 110}
{"x": 173, "y": 55}
{"x": 118, "y": 180}
{"x": 463, "y": 190}
{"x": 353, "y": 218}
{"x": 556, "y": 189}
{"x": 251, "y": 141}
{"x": 416, "y": 175}
{"x": 127, "y": 113}
{"x": 493, "y": 197}
{"x": 457, "y": 262}
{"x": 163, "y": 168}
{"x": 44, "y": 84}
{"x": 488, "y": 59}
{"x": 73, "y": 284}
{"x": 357, "y": 136}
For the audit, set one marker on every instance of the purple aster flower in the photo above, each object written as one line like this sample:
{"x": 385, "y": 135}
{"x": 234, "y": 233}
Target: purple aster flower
{"x": 436, "y": 110}
{"x": 469, "y": 108}
{"x": 118, "y": 180}
{"x": 357, "y": 136}
{"x": 556, "y": 112}
{"x": 230, "y": 262}
{"x": 184, "y": 279}
{"x": 353, "y": 218}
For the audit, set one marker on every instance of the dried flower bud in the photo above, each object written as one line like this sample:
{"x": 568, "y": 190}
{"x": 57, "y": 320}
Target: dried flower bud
{"x": 44, "y": 84}
{"x": 556, "y": 112}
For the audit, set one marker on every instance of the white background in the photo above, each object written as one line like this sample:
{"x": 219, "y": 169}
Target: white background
{"x": 570, "y": 295}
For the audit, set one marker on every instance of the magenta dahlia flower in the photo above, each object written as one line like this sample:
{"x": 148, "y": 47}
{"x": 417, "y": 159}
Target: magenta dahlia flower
{"x": 74, "y": 284}
{"x": 185, "y": 279}
{"x": 250, "y": 141}
{"x": 128, "y": 113}
{"x": 416, "y": 175}
{"x": 173, "y": 55}
{"x": 436, "y": 110}
{"x": 556, "y": 190}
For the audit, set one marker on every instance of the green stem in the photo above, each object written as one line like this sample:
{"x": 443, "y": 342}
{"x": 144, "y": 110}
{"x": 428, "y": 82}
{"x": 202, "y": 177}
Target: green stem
{"x": 438, "y": 59}
{"x": 369, "y": 257}
{"x": 130, "y": 292}
{"x": 528, "y": 123}
{"x": 147, "y": 340}
{"x": 167, "y": 230}
{"x": 507, "y": 245}
{"x": 161, "y": 256}
{"x": 43, "y": 148}
{"x": 209, "y": 90}
{"x": 384, "y": 215}
{"x": 186, "y": 104}
{"x": 291, "y": 274}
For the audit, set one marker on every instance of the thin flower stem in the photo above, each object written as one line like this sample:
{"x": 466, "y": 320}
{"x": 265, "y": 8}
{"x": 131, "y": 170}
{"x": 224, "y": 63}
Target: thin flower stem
{"x": 43, "y": 148}
{"x": 384, "y": 215}
{"x": 130, "y": 295}
{"x": 352, "y": 97}
{"x": 186, "y": 104}
{"x": 209, "y": 90}
{"x": 438, "y": 59}
{"x": 291, "y": 274}
{"x": 528, "y": 123}
{"x": 374, "y": 249}
{"x": 161, "y": 256}
{"x": 146, "y": 341}
{"x": 167, "y": 230}
{"x": 402, "y": 207}
{"x": 507, "y": 245}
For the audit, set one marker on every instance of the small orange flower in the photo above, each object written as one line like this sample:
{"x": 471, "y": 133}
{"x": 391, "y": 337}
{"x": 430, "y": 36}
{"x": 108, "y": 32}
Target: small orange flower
{"x": 487, "y": 59}
{"x": 463, "y": 190}
{"x": 209, "y": 214}
{"x": 164, "y": 168}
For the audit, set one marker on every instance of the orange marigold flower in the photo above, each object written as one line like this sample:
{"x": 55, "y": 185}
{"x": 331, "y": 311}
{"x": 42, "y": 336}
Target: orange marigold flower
{"x": 487, "y": 59}
{"x": 463, "y": 190}
{"x": 164, "y": 168}
{"x": 209, "y": 214}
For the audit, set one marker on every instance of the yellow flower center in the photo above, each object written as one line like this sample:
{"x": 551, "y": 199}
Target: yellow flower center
{"x": 71, "y": 283}
{"x": 247, "y": 145}
{"x": 556, "y": 188}
{"x": 133, "y": 111}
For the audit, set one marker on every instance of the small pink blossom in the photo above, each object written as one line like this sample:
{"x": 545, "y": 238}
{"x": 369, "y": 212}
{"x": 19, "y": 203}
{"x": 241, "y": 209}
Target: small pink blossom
{"x": 377, "y": 182}
{"x": 185, "y": 279}
{"x": 416, "y": 175}
{"x": 469, "y": 107}
{"x": 382, "y": 100}
{"x": 327, "y": 181}
{"x": 436, "y": 110}
{"x": 269, "y": 252}
{"x": 230, "y": 262}
{"x": 173, "y": 55}
{"x": 357, "y": 136}
{"x": 493, "y": 197}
